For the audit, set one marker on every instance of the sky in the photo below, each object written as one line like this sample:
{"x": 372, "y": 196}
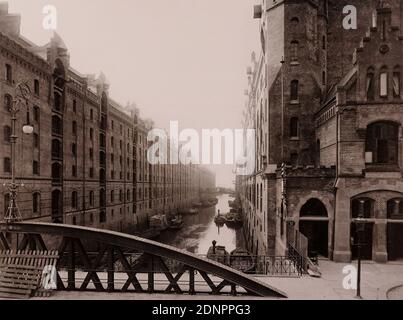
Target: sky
{"x": 178, "y": 60}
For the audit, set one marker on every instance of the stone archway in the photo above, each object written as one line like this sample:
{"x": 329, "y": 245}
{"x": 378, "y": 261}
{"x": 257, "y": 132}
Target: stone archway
{"x": 314, "y": 224}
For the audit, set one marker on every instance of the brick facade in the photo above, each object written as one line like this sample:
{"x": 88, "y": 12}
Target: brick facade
{"x": 338, "y": 130}
{"x": 91, "y": 152}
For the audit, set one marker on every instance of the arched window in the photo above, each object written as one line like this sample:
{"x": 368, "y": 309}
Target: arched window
{"x": 363, "y": 207}
{"x": 9, "y": 73}
{"x": 7, "y": 134}
{"x": 102, "y": 198}
{"x": 74, "y": 200}
{"x": 395, "y": 208}
{"x": 383, "y": 82}
{"x": 294, "y": 50}
{"x": 57, "y": 150}
{"x": 8, "y": 101}
{"x": 57, "y": 125}
{"x": 294, "y": 95}
{"x": 91, "y": 198}
{"x": 396, "y": 82}
{"x": 294, "y": 21}
{"x": 128, "y": 196}
{"x": 382, "y": 143}
{"x": 294, "y": 128}
{"x": 7, "y": 165}
{"x": 58, "y": 101}
{"x": 112, "y": 196}
{"x": 370, "y": 85}
{"x": 36, "y": 202}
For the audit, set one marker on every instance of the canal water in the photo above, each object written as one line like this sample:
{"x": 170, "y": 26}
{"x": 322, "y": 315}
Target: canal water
{"x": 200, "y": 231}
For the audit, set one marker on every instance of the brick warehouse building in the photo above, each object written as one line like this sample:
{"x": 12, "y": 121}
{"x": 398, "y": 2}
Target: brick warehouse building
{"x": 86, "y": 162}
{"x": 327, "y": 103}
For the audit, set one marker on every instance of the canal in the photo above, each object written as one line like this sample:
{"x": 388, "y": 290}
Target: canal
{"x": 200, "y": 230}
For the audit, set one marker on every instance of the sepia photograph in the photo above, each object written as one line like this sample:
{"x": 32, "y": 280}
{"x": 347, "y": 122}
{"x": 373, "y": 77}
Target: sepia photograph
{"x": 224, "y": 152}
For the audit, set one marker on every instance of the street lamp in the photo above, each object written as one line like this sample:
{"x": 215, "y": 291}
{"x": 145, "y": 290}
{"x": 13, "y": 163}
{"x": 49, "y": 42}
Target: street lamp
{"x": 22, "y": 98}
{"x": 360, "y": 230}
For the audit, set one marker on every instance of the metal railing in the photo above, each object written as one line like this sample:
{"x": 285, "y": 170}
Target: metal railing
{"x": 273, "y": 266}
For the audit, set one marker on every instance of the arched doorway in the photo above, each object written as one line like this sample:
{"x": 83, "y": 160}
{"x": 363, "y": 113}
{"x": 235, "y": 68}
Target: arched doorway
{"x": 314, "y": 224}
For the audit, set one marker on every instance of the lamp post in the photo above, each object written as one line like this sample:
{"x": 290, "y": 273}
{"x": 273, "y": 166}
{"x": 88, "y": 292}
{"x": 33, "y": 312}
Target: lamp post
{"x": 22, "y": 98}
{"x": 360, "y": 230}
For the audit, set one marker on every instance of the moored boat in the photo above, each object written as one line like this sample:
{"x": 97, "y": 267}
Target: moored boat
{"x": 220, "y": 220}
{"x": 242, "y": 260}
{"x": 176, "y": 223}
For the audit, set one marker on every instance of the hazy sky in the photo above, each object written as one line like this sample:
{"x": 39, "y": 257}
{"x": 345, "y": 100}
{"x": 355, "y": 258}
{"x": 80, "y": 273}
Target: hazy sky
{"x": 179, "y": 60}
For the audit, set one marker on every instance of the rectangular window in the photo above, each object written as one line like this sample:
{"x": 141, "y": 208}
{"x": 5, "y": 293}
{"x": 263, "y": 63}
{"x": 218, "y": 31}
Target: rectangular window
{"x": 74, "y": 171}
{"x": 9, "y": 73}
{"x": 7, "y": 165}
{"x": 35, "y": 168}
{"x": 383, "y": 88}
{"x": 36, "y": 87}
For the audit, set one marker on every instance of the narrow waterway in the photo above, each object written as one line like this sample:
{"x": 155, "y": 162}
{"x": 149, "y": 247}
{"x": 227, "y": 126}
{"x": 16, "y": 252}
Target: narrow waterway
{"x": 200, "y": 231}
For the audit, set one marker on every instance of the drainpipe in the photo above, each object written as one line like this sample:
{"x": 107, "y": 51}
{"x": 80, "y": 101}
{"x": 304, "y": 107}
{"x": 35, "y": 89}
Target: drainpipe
{"x": 336, "y": 182}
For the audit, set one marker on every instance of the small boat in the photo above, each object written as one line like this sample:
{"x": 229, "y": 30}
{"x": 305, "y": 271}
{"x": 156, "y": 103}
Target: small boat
{"x": 193, "y": 211}
{"x": 242, "y": 260}
{"x": 159, "y": 222}
{"x": 197, "y": 205}
{"x": 218, "y": 254}
{"x": 176, "y": 223}
{"x": 233, "y": 221}
{"x": 220, "y": 220}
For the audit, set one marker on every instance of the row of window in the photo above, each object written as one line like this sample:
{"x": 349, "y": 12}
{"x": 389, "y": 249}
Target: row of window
{"x": 7, "y": 166}
{"x": 365, "y": 207}
{"x": 8, "y": 76}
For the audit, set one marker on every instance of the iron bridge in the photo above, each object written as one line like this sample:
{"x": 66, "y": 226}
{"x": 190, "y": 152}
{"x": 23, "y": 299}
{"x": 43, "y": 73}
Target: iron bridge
{"x": 107, "y": 261}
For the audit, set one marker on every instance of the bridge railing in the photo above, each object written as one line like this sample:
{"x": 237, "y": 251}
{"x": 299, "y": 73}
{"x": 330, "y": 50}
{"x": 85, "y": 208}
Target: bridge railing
{"x": 272, "y": 266}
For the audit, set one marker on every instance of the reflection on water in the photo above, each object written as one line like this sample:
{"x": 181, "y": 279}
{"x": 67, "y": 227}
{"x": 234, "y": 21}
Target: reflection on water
{"x": 200, "y": 231}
